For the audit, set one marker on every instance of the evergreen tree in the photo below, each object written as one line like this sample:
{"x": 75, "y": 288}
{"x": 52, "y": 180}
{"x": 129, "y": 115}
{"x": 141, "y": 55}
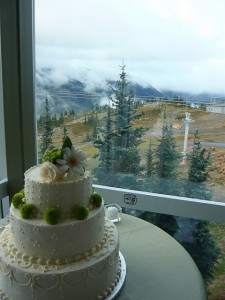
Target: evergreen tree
{"x": 47, "y": 129}
{"x": 72, "y": 112}
{"x": 93, "y": 121}
{"x": 199, "y": 161}
{"x": 104, "y": 143}
{"x": 127, "y": 138}
{"x": 150, "y": 164}
{"x": 167, "y": 155}
{"x": 198, "y": 171}
{"x": 202, "y": 248}
{"x": 61, "y": 119}
{"x": 166, "y": 173}
{"x": 54, "y": 121}
{"x": 119, "y": 157}
{"x": 39, "y": 122}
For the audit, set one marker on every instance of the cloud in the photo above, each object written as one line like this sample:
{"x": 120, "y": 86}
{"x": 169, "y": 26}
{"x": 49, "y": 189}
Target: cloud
{"x": 167, "y": 43}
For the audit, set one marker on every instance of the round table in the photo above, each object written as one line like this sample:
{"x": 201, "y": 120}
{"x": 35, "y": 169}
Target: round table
{"x": 158, "y": 267}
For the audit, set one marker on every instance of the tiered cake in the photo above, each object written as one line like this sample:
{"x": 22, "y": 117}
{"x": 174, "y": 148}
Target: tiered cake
{"x": 58, "y": 244}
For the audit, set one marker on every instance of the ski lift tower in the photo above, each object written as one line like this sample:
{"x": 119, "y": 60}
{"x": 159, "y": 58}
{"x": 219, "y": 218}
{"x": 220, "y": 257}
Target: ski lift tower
{"x": 187, "y": 120}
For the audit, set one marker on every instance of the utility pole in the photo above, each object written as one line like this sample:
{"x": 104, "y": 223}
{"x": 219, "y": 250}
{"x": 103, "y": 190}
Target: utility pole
{"x": 187, "y": 120}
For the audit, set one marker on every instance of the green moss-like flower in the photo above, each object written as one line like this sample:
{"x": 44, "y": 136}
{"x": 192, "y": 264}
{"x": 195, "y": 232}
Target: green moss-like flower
{"x": 17, "y": 200}
{"x": 53, "y": 155}
{"x": 22, "y": 192}
{"x": 80, "y": 212}
{"x": 28, "y": 211}
{"x": 52, "y": 215}
{"x": 96, "y": 200}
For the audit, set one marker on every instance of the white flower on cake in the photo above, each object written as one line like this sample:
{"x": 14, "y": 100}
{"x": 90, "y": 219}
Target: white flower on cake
{"x": 50, "y": 172}
{"x": 75, "y": 160}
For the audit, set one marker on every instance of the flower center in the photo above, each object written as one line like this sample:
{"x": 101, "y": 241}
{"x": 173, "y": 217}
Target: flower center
{"x": 73, "y": 161}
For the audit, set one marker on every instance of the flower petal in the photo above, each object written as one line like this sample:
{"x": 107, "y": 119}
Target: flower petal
{"x": 63, "y": 168}
{"x": 66, "y": 151}
{"x": 61, "y": 161}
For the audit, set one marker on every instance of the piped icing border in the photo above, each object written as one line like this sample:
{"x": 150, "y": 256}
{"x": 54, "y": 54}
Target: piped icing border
{"x": 3, "y": 295}
{"x": 102, "y": 296}
{"x": 26, "y": 261}
{"x": 109, "y": 290}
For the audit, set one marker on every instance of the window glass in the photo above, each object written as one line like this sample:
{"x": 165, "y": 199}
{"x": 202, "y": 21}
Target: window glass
{"x": 202, "y": 240}
{"x": 139, "y": 87}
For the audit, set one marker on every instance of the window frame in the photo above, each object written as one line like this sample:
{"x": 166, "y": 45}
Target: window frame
{"x": 17, "y": 56}
{"x": 18, "y": 78}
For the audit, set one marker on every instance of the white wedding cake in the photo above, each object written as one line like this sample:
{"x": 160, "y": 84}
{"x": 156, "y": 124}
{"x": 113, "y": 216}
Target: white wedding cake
{"x": 58, "y": 244}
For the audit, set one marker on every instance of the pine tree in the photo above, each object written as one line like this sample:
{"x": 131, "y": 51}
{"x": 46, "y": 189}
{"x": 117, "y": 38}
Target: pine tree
{"x": 167, "y": 162}
{"x": 47, "y": 129}
{"x": 150, "y": 164}
{"x": 167, "y": 155}
{"x": 61, "y": 119}
{"x": 198, "y": 171}
{"x": 203, "y": 248}
{"x": 54, "y": 121}
{"x": 119, "y": 157}
{"x": 127, "y": 138}
{"x": 104, "y": 143}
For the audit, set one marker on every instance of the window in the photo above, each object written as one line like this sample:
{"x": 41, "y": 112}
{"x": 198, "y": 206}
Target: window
{"x": 17, "y": 90}
{"x": 77, "y": 68}
{"x": 3, "y": 173}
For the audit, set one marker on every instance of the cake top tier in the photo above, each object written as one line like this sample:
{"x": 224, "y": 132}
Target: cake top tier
{"x": 59, "y": 187}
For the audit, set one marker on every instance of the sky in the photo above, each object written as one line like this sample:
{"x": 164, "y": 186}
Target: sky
{"x": 169, "y": 44}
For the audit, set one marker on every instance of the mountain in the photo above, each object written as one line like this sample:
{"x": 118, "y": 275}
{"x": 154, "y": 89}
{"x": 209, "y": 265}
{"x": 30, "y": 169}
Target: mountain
{"x": 66, "y": 94}
{"x": 73, "y": 94}
{"x": 197, "y": 98}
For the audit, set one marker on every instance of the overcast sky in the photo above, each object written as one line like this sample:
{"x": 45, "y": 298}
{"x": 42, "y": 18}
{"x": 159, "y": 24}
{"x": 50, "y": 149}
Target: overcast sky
{"x": 174, "y": 44}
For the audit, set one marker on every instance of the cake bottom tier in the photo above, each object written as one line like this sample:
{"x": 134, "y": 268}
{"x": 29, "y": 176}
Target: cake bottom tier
{"x": 91, "y": 278}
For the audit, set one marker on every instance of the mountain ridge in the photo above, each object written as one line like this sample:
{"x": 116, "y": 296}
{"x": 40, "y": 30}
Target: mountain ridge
{"x": 72, "y": 94}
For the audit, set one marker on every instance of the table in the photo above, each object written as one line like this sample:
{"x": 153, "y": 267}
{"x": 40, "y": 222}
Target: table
{"x": 158, "y": 267}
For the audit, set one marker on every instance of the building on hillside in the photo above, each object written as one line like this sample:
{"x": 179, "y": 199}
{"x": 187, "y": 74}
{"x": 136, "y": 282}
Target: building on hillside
{"x": 195, "y": 105}
{"x": 216, "y": 108}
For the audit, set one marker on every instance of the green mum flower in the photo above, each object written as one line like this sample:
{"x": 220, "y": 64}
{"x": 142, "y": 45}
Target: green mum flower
{"x": 28, "y": 211}
{"x": 53, "y": 155}
{"x": 52, "y": 215}
{"x": 80, "y": 212}
{"x": 17, "y": 200}
{"x": 96, "y": 200}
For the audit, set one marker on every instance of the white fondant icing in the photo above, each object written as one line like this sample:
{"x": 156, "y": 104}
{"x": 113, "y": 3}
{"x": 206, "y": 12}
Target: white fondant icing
{"x": 87, "y": 279}
{"x": 63, "y": 194}
{"x": 74, "y": 236}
